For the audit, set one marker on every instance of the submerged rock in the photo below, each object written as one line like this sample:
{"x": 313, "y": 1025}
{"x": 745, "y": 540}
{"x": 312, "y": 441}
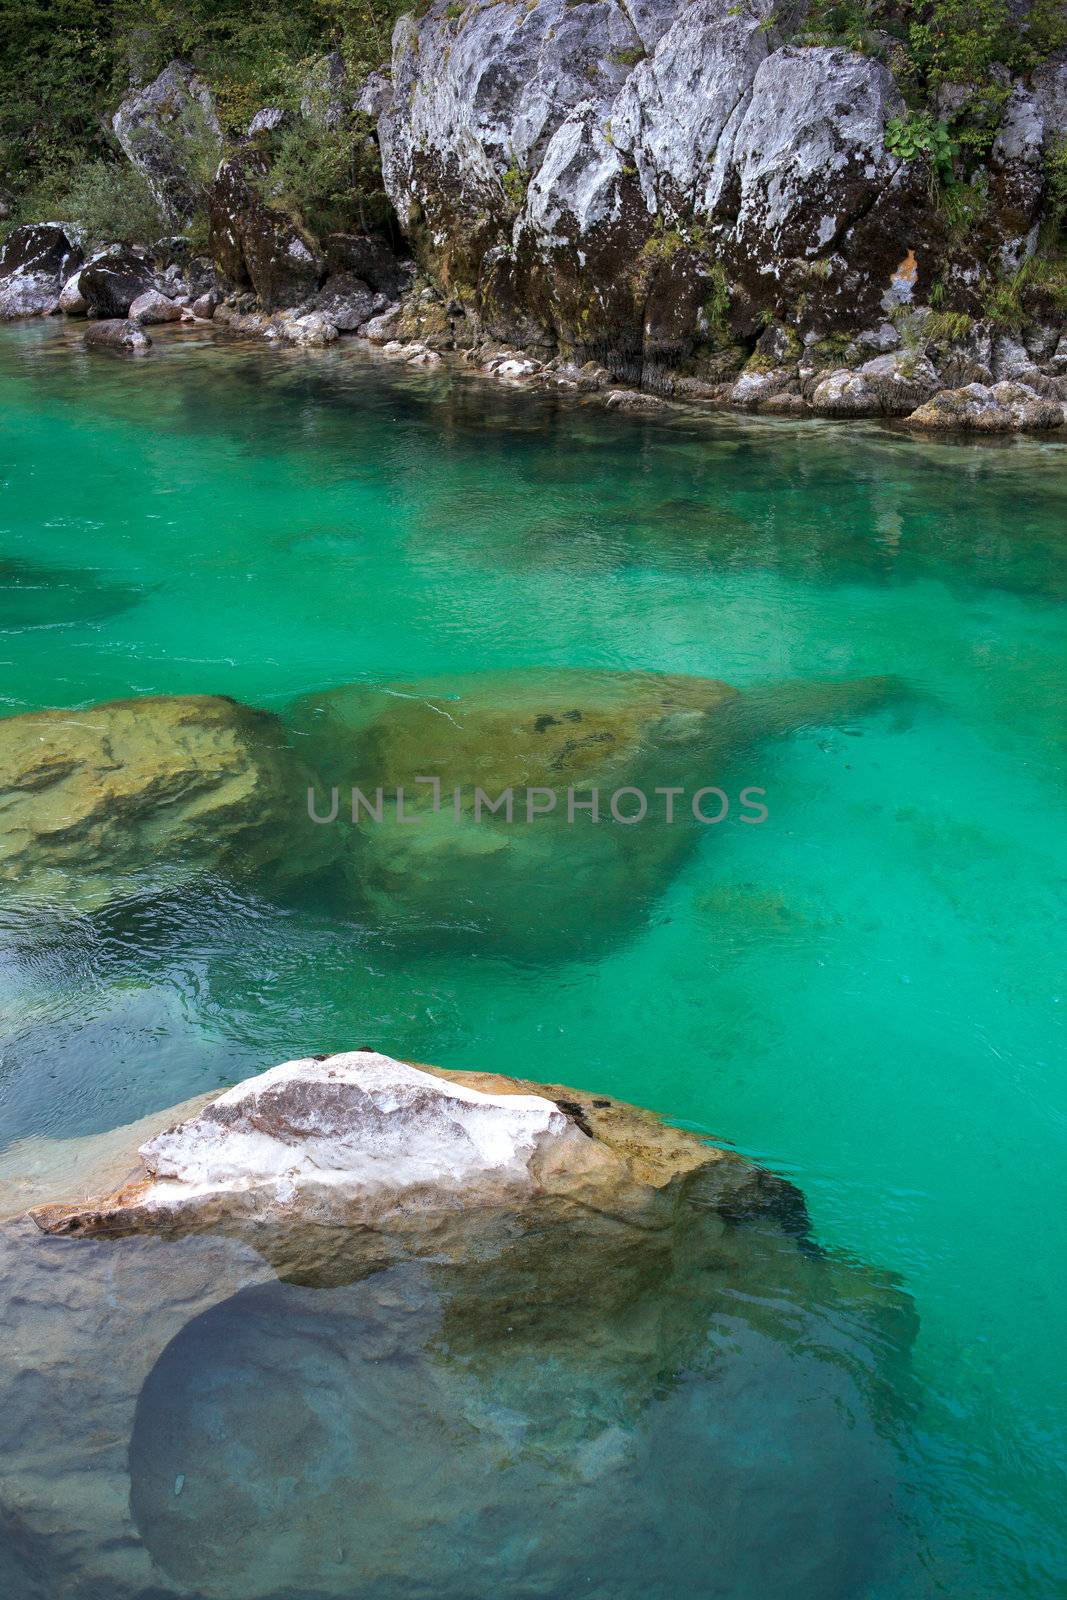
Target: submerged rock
{"x": 116, "y": 333}
{"x": 508, "y": 878}
{"x": 147, "y": 793}
{"x": 630, "y": 1331}
{"x": 35, "y": 260}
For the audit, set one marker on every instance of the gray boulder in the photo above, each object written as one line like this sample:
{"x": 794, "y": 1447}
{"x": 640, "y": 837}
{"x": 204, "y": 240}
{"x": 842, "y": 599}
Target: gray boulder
{"x": 254, "y": 245}
{"x": 326, "y": 97}
{"x": 71, "y": 300}
{"x": 270, "y": 120}
{"x": 35, "y": 260}
{"x": 370, "y": 257}
{"x": 116, "y": 333}
{"x": 1004, "y": 408}
{"x": 152, "y": 307}
{"x": 598, "y": 170}
{"x": 170, "y": 132}
{"x": 348, "y": 302}
{"x": 888, "y": 386}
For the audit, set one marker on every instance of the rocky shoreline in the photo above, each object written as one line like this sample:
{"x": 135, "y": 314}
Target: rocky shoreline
{"x": 685, "y": 203}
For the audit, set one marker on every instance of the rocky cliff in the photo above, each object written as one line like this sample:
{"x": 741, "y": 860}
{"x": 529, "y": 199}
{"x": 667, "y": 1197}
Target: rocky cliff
{"x": 655, "y": 184}
{"x": 696, "y": 198}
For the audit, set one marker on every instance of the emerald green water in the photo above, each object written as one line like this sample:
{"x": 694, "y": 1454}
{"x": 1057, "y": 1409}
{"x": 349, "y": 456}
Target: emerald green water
{"x": 866, "y": 992}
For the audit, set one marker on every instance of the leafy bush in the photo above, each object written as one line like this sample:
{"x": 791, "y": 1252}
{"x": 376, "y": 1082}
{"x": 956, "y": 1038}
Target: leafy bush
{"x": 916, "y": 134}
{"x": 109, "y": 200}
{"x": 329, "y": 179}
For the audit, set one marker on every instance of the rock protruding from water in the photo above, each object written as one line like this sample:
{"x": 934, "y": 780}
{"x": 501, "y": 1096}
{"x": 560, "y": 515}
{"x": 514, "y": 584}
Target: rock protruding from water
{"x": 360, "y": 1139}
{"x": 147, "y": 793}
{"x": 625, "y": 1332}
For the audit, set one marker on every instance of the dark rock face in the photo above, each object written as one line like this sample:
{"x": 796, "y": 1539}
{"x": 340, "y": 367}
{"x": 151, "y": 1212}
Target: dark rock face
{"x": 255, "y": 246}
{"x": 368, "y": 257}
{"x": 169, "y": 130}
{"x": 35, "y": 261}
{"x": 110, "y": 283}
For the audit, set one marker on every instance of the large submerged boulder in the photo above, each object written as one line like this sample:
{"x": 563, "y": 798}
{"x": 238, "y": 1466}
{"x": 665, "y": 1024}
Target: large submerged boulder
{"x": 35, "y": 262}
{"x": 170, "y": 131}
{"x": 491, "y": 804}
{"x": 353, "y": 1304}
{"x": 147, "y": 793}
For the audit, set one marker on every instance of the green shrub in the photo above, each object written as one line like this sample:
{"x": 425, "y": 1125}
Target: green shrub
{"x": 109, "y": 200}
{"x": 916, "y": 134}
{"x": 328, "y": 179}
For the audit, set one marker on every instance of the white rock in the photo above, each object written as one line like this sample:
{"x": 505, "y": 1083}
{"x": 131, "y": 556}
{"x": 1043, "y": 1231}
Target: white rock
{"x": 152, "y": 307}
{"x": 311, "y": 331}
{"x": 71, "y": 300}
{"x": 361, "y": 1125}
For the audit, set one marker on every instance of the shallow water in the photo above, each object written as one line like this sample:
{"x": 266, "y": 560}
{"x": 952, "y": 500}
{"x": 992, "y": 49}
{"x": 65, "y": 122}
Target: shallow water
{"x": 865, "y": 992}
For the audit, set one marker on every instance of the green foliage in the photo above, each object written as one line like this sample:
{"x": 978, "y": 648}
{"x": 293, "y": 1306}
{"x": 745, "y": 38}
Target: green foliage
{"x": 957, "y": 41}
{"x": 109, "y": 200}
{"x": 946, "y": 327}
{"x": 629, "y": 58}
{"x": 328, "y": 179}
{"x": 717, "y": 303}
{"x": 1056, "y": 186}
{"x": 515, "y": 182}
{"x": 916, "y": 134}
{"x": 66, "y": 64}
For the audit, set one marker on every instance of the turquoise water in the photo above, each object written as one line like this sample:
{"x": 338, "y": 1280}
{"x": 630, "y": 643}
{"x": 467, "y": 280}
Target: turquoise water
{"x": 865, "y": 993}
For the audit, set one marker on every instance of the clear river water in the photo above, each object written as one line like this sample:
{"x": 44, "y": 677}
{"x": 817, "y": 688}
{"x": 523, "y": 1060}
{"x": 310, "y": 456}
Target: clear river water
{"x": 866, "y": 993}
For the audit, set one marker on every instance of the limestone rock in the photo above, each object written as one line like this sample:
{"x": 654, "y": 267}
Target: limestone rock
{"x": 369, "y": 258}
{"x": 111, "y": 281}
{"x": 152, "y": 307}
{"x": 170, "y": 132}
{"x": 891, "y": 385}
{"x": 590, "y": 170}
{"x": 145, "y": 1382}
{"x": 148, "y": 792}
{"x": 71, "y": 300}
{"x": 116, "y": 333}
{"x": 34, "y": 263}
{"x": 356, "y": 1138}
{"x": 348, "y": 302}
{"x": 312, "y": 331}
{"x": 205, "y": 305}
{"x": 1006, "y": 407}
{"x": 753, "y": 389}
{"x": 270, "y": 120}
